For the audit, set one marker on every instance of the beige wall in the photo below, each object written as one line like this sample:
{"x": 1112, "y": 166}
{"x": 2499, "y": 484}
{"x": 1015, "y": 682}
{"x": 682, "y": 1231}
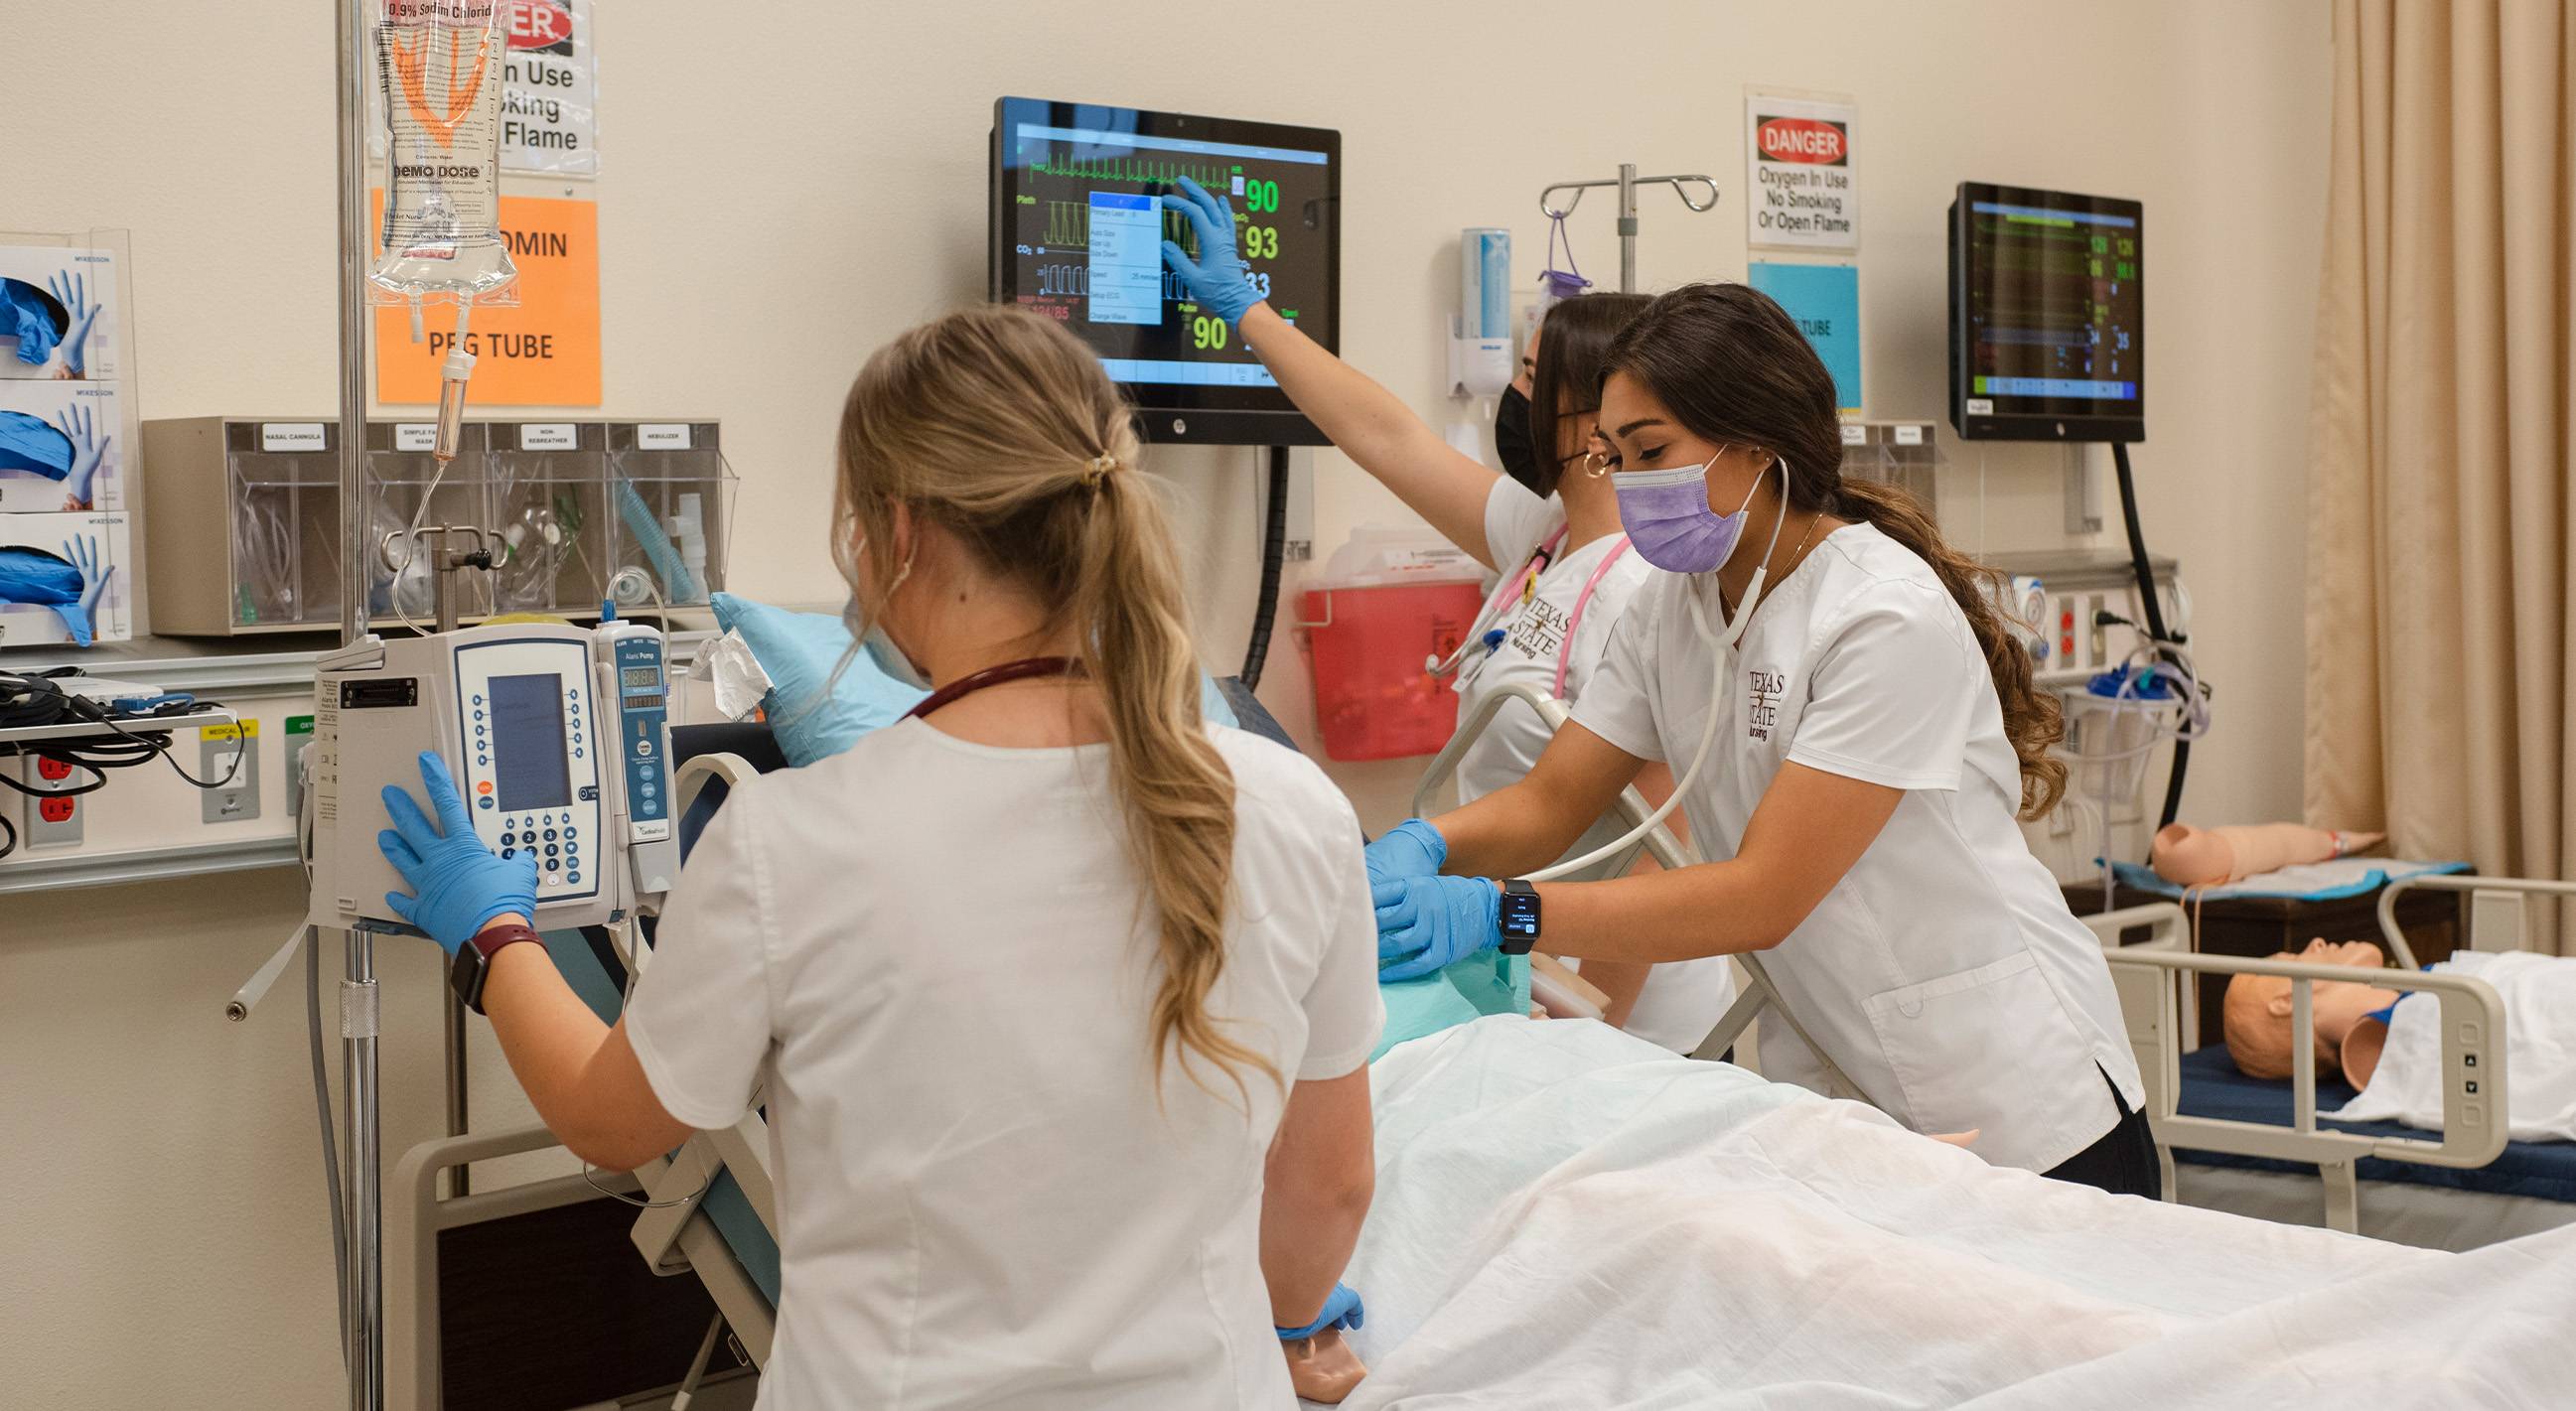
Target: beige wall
{"x": 793, "y": 187}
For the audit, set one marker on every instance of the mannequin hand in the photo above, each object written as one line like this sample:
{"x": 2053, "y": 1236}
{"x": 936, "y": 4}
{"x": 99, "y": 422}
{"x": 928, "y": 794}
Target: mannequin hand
{"x": 1412, "y": 848}
{"x": 457, "y": 882}
{"x": 1426, "y": 923}
{"x": 1341, "y": 1310}
{"x": 1217, "y": 278}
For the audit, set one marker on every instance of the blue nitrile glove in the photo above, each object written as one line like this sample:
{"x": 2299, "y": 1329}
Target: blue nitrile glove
{"x": 73, "y": 289}
{"x": 1412, "y": 848}
{"x": 1428, "y": 923}
{"x": 457, "y": 882}
{"x": 1342, "y": 1310}
{"x": 1217, "y": 278}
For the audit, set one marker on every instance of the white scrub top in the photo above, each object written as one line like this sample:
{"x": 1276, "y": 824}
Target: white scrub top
{"x": 932, "y": 961}
{"x": 1683, "y": 1000}
{"x": 1943, "y": 973}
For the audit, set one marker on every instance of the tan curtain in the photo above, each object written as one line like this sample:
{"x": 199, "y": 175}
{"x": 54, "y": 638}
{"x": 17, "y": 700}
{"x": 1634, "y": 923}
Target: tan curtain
{"x": 2438, "y": 512}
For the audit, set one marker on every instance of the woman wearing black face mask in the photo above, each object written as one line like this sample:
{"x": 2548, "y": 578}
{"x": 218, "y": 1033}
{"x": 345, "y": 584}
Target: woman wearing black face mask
{"x": 1554, "y": 536}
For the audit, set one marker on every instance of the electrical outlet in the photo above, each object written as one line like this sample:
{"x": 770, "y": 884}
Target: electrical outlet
{"x": 217, "y": 747}
{"x": 53, "y": 817}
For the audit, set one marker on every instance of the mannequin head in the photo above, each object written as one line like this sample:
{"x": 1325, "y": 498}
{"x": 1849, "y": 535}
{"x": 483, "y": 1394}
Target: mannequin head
{"x": 2257, "y": 1014}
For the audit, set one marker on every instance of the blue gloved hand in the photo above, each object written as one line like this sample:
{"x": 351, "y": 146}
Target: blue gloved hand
{"x": 458, "y": 883}
{"x": 1412, "y": 848}
{"x": 89, "y": 451}
{"x": 1342, "y": 1310}
{"x": 1216, "y": 278}
{"x": 1427, "y": 923}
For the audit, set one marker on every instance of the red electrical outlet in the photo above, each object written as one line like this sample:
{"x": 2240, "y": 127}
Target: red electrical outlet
{"x": 53, "y": 817}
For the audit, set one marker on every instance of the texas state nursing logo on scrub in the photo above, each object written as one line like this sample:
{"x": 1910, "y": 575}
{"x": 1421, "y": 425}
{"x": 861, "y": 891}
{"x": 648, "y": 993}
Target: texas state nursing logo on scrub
{"x": 1762, "y": 691}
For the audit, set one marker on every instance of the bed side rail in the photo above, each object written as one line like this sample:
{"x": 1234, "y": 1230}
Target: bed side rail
{"x": 2497, "y": 908}
{"x": 2474, "y": 1076}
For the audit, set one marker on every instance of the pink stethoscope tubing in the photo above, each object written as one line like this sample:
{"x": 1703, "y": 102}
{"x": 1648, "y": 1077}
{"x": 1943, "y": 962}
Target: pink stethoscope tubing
{"x": 1518, "y": 586}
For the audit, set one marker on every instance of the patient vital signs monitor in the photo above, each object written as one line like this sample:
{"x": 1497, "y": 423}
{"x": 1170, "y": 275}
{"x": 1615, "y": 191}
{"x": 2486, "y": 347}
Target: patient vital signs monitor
{"x": 1078, "y": 234}
{"x": 2047, "y": 326}
{"x": 556, "y": 736}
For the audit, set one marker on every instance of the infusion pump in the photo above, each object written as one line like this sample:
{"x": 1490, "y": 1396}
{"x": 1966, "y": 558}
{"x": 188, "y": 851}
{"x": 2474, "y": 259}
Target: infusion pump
{"x": 558, "y": 738}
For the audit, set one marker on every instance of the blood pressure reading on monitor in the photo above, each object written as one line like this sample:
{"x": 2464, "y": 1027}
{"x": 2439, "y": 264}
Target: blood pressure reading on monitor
{"x": 1080, "y": 230}
{"x": 529, "y": 766}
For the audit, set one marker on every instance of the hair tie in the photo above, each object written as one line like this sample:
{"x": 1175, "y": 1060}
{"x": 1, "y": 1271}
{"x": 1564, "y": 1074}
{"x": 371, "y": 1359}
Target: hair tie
{"x": 1098, "y": 470}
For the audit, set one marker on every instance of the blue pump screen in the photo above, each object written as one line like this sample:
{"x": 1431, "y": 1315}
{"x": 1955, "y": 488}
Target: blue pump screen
{"x": 529, "y": 768}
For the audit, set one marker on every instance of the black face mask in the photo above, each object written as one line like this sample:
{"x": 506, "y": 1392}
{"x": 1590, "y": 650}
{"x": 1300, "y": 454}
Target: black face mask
{"x": 1512, "y": 439}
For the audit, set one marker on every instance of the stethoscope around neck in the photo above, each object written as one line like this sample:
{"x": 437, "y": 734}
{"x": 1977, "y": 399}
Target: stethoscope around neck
{"x": 1486, "y": 632}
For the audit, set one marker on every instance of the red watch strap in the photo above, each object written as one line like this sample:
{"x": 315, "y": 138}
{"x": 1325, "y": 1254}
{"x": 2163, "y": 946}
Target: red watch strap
{"x": 491, "y": 939}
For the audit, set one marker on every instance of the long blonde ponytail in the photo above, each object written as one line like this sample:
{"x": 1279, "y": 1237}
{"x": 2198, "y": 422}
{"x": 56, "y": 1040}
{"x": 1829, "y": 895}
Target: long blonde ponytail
{"x": 1000, "y": 427}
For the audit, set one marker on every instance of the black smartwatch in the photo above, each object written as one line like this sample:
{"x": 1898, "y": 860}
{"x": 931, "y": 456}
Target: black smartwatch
{"x": 473, "y": 963}
{"x": 1518, "y": 919}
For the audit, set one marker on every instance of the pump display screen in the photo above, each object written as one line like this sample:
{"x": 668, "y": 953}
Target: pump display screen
{"x": 2047, "y": 312}
{"x": 529, "y": 768}
{"x": 1078, "y": 232}
{"x": 633, "y": 678}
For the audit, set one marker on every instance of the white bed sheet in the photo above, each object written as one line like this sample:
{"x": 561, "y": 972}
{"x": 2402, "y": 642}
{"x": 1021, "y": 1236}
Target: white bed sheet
{"x": 1569, "y": 1217}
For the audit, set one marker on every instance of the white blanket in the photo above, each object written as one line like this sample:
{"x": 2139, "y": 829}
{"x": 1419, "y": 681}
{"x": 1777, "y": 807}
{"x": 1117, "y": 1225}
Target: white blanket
{"x": 2539, "y": 994}
{"x": 1568, "y": 1217}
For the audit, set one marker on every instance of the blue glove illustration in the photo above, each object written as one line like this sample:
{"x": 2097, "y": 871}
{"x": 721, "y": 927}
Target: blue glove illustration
{"x": 457, "y": 882}
{"x": 1216, "y": 278}
{"x": 1342, "y": 1310}
{"x": 70, "y": 584}
{"x": 73, "y": 289}
{"x": 89, "y": 452}
{"x": 1412, "y": 848}
{"x": 1429, "y": 923}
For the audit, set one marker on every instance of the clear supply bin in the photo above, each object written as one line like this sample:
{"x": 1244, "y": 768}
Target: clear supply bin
{"x": 244, "y": 531}
{"x": 1388, "y": 603}
{"x": 1899, "y": 453}
{"x": 670, "y": 497}
{"x": 401, "y": 475}
{"x": 550, "y": 508}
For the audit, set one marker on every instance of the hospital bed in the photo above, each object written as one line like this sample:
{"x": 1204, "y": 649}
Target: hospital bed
{"x": 2258, "y": 1147}
{"x": 1642, "y": 1229}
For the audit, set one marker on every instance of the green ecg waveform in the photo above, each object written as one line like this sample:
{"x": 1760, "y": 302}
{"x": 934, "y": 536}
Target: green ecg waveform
{"x": 1212, "y": 175}
{"x": 1069, "y": 223}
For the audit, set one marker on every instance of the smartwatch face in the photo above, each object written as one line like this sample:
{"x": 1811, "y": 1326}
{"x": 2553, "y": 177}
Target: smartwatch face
{"x": 1520, "y": 916}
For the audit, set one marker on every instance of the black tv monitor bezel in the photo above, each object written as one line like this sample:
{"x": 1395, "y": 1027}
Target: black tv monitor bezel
{"x": 1207, "y": 416}
{"x": 2080, "y": 424}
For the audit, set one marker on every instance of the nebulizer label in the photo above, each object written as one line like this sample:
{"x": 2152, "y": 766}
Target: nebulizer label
{"x": 438, "y": 66}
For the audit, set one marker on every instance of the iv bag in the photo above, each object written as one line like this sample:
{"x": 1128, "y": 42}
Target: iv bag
{"x": 438, "y": 66}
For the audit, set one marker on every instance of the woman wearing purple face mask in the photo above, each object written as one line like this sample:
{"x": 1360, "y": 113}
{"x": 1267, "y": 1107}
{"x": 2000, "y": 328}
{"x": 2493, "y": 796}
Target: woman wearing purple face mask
{"x": 1867, "y": 737}
{"x": 1551, "y": 532}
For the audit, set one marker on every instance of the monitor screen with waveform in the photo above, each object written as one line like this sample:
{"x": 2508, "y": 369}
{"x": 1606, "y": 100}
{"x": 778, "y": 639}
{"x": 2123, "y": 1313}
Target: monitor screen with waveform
{"x": 1078, "y": 233}
{"x": 2047, "y": 316}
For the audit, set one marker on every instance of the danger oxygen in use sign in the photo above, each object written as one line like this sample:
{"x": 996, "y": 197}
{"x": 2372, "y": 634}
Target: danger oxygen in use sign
{"x": 1803, "y": 190}
{"x": 549, "y": 88}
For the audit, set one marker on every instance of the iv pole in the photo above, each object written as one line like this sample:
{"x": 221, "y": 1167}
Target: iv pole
{"x": 363, "y": 1279}
{"x": 1627, "y": 182}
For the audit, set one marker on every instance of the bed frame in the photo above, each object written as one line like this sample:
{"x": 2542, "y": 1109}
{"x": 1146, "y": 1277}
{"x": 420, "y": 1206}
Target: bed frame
{"x": 2154, "y": 979}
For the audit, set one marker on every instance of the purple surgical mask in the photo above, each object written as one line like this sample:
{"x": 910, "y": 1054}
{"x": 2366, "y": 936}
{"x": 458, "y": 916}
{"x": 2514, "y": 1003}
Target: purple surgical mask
{"x": 1667, "y": 517}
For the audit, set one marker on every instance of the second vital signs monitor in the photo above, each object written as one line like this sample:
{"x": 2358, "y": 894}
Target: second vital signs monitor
{"x": 1078, "y": 232}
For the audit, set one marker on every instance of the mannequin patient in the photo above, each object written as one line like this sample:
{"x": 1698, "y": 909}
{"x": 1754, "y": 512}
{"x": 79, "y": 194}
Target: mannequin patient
{"x": 2214, "y": 857}
{"x": 2351, "y": 1028}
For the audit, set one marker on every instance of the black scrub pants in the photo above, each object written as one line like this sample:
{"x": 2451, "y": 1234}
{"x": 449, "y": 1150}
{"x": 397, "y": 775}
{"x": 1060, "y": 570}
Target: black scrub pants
{"x": 2123, "y": 1162}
